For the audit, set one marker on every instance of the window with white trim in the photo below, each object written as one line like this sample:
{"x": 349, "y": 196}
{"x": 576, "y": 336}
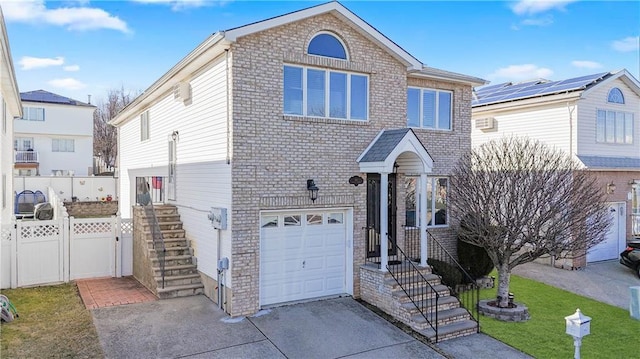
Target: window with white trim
{"x": 437, "y": 188}
{"x": 63, "y": 145}
{"x": 23, "y": 143}
{"x": 33, "y": 113}
{"x": 327, "y": 45}
{"x": 144, "y": 126}
{"x": 614, "y": 127}
{"x": 325, "y": 93}
{"x": 429, "y": 108}
{"x": 4, "y": 116}
{"x": 615, "y": 96}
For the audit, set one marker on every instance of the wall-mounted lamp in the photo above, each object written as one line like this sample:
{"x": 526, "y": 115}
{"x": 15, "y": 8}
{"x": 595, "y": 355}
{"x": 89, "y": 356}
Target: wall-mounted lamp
{"x": 395, "y": 167}
{"x": 611, "y": 187}
{"x": 174, "y": 135}
{"x": 313, "y": 190}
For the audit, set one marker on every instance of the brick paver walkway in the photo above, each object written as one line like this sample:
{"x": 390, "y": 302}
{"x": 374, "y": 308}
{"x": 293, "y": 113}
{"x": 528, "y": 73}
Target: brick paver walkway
{"x": 107, "y": 292}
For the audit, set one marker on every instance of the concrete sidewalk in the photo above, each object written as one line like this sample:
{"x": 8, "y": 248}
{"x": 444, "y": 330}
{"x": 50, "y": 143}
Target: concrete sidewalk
{"x": 194, "y": 327}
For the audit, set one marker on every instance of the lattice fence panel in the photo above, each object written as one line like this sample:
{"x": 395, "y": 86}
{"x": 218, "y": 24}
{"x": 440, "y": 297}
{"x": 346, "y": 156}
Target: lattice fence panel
{"x": 92, "y": 227}
{"x": 126, "y": 226}
{"x": 5, "y": 233}
{"x": 45, "y": 230}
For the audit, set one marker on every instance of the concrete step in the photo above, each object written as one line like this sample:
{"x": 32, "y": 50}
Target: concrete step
{"x": 412, "y": 280}
{"x": 175, "y": 280}
{"x": 166, "y": 233}
{"x": 175, "y": 270}
{"x": 445, "y": 317}
{"x": 453, "y": 330}
{"x": 164, "y": 226}
{"x": 403, "y": 297}
{"x": 185, "y": 290}
{"x": 169, "y": 243}
{"x": 173, "y": 251}
{"x": 170, "y": 261}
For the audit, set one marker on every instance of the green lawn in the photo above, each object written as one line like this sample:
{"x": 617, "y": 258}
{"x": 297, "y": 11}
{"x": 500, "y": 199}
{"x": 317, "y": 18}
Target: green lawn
{"x": 53, "y": 323}
{"x": 614, "y": 334}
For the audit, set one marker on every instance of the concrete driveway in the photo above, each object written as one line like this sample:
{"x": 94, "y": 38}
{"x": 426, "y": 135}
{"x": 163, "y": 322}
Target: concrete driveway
{"x": 193, "y": 327}
{"x": 606, "y": 281}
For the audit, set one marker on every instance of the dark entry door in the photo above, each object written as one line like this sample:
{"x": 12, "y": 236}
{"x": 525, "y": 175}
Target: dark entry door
{"x": 373, "y": 214}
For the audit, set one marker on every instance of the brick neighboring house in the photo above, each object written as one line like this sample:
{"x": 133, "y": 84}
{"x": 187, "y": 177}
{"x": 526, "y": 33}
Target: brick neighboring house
{"x": 595, "y": 119}
{"x": 252, "y": 114}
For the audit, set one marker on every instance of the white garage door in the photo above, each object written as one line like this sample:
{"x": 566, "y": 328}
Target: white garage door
{"x": 615, "y": 240}
{"x": 302, "y": 255}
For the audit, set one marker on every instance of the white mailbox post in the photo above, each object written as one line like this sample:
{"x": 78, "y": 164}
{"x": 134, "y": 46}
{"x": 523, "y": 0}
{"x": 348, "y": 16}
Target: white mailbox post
{"x": 578, "y": 326}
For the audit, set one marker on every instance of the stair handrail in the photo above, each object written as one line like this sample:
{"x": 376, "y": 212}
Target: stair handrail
{"x": 406, "y": 268}
{"x": 473, "y": 294}
{"x": 156, "y": 236}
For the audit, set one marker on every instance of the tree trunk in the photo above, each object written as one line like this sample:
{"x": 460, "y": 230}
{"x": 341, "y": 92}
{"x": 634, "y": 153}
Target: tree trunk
{"x": 504, "y": 277}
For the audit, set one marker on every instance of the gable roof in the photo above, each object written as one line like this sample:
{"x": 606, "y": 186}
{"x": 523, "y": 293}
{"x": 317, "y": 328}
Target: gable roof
{"x": 50, "y": 97}
{"x": 389, "y": 146}
{"x": 539, "y": 88}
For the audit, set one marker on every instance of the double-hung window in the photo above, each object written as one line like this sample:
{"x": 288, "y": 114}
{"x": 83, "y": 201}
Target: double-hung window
{"x": 144, "y": 126}
{"x": 325, "y": 93}
{"x": 429, "y": 108}
{"x": 614, "y": 127}
{"x": 33, "y": 113}
{"x": 62, "y": 145}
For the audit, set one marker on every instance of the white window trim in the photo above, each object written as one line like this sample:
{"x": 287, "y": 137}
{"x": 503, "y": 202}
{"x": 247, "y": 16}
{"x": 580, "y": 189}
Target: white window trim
{"x": 64, "y": 141}
{"x": 145, "y": 132}
{"x": 27, "y": 109}
{"x": 615, "y": 142}
{"x": 337, "y": 38}
{"x": 437, "y": 109}
{"x": 327, "y": 91}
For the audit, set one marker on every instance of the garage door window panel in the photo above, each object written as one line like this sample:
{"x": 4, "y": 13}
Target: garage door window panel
{"x": 335, "y": 218}
{"x": 293, "y": 220}
{"x": 269, "y": 221}
{"x": 314, "y": 219}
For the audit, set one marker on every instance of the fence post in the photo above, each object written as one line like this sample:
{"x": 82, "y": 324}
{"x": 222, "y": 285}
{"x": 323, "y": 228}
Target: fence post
{"x": 14, "y": 254}
{"x": 116, "y": 231}
{"x": 66, "y": 257}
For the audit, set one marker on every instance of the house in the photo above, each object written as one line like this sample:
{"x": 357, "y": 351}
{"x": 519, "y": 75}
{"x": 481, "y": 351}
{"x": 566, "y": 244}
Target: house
{"x": 54, "y": 136}
{"x": 11, "y": 108}
{"x": 595, "y": 119}
{"x": 288, "y": 147}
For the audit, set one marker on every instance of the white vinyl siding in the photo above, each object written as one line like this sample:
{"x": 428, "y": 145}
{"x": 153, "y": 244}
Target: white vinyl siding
{"x": 203, "y": 176}
{"x": 325, "y": 93}
{"x": 429, "y": 108}
{"x": 615, "y": 132}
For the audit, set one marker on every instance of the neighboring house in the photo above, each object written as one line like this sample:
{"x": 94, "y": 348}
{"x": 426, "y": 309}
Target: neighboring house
{"x": 595, "y": 119}
{"x": 297, "y": 127}
{"x": 54, "y": 136}
{"x": 11, "y": 108}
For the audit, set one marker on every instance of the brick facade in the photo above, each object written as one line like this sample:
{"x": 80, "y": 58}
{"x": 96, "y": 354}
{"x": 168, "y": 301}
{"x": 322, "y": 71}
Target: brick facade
{"x": 274, "y": 154}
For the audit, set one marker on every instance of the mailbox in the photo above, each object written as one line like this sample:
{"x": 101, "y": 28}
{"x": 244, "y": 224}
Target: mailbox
{"x": 578, "y": 324}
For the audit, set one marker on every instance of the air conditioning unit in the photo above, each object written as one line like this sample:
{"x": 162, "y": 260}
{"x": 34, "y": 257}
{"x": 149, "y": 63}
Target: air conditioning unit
{"x": 181, "y": 91}
{"x": 484, "y": 123}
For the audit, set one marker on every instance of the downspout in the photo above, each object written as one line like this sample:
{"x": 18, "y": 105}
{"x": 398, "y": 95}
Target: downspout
{"x": 570, "y": 109}
{"x": 228, "y": 107}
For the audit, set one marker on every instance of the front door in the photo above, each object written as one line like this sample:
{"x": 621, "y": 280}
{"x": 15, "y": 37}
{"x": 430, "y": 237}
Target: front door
{"x": 373, "y": 214}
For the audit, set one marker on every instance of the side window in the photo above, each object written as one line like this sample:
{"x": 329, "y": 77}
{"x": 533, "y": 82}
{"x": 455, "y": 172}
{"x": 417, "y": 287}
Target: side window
{"x": 428, "y": 108}
{"x": 144, "y": 126}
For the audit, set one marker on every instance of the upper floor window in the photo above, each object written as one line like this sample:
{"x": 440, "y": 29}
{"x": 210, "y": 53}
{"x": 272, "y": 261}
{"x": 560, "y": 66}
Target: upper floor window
{"x": 614, "y": 127}
{"x": 144, "y": 126}
{"x": 62, "y": 145}
{"x": 615, "y": 96}
{"x": 23, "y": 143}
{"x": 325, "y": 44}
{"x": 325, "y": 93}
{"x": 428, "y": 108}
{"x": 33, "y": 113}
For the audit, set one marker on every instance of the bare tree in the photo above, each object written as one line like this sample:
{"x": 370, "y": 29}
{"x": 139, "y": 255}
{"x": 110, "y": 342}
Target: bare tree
{"x": 520, "y": 199}
{"x": 105, "y": 136}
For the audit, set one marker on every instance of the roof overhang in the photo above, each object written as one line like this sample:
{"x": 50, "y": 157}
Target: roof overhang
{"x": 624, "y": 76}
{"x": 441, "y": 75}
{"x": 338, "y": 10}
{"x": 384, "y": 152}
{"x": 545, "y": 100}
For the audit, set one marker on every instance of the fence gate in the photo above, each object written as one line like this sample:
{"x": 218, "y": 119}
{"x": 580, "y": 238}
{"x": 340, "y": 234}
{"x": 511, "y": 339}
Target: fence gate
{"x": 40, "y": 252}
{"x": 92, "y": 243}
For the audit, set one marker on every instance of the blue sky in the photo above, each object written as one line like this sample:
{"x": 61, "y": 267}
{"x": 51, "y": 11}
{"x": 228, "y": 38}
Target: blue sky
{"x": 76, "y": 48}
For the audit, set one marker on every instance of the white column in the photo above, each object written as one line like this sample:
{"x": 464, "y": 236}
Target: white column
{"x": 384, "y": 231}
{"x": 423, "y": 220}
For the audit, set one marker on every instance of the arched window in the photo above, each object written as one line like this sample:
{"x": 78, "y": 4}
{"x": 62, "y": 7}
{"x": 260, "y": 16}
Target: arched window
{"x": 615, "y": 96}
{"x": 327, "y": 45}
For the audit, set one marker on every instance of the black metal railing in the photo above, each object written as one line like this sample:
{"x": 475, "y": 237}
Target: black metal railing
{"x": 462, "y": 285}
{"x": 421, "y": 293}
{"x": 373, "y": 243}
{"x": 412, "y": 243}
{"x": 144, "y": 198}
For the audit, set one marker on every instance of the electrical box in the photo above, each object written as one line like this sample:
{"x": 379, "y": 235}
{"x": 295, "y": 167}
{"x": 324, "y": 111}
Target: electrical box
{"x": 223, "y": 263}
{"x": 634, "y": 305}
{"x": 218, "y": 217}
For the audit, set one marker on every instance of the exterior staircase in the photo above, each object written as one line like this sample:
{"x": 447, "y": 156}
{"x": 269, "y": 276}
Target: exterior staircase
{"x": 452, "y": 319}
{"x": 170, "y": 253}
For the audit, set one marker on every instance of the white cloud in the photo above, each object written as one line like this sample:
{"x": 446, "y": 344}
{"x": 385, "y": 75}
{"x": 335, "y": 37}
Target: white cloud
{"x": 627, "y": 44}
{"x": 72, "y": 17}
{"x": 583, "y": 64}
{"x": 67, "y": 83}
{"x": 530, "y": 7}
{"x": 177, "y": 5}
{"x": 521, "y": 72}
{"x": 30, "y": 63}
{"x": 541, "y": 21}
{"x": 71, "y": 68}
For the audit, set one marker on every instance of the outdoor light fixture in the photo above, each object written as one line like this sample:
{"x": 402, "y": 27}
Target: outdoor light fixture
{"x": 395, "y": 167}
{"x": 611, "y": 187}
{"x": 174, "y": 135}
{"x": 313, "y": 190}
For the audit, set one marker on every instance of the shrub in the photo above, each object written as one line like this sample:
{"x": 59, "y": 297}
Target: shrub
{"x": 451, "y": 275}
{"x": 474, "y": 259}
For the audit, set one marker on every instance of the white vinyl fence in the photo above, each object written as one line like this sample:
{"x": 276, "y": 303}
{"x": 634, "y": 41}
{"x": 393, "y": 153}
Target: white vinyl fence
{"x": 36, "y": 252}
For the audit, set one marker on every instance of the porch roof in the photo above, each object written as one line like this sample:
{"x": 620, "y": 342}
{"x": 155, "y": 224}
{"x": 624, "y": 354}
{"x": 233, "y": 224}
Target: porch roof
{"x": 613, "y": 163}
{"x": 397, "y": 146}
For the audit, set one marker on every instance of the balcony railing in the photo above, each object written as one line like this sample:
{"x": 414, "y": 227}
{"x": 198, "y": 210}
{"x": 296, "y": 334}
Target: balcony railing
{"x": 26, "y": 157}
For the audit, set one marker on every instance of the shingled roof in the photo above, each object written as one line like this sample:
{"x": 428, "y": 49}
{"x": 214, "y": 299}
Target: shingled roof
{"x": 49, "y": 97}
